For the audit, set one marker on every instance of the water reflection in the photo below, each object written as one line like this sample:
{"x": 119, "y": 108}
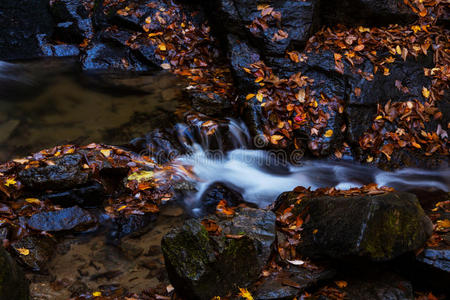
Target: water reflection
{"x": 49, "y": 102}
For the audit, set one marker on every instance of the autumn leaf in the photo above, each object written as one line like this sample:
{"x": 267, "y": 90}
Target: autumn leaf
{"x": 328, "y": 133}
{"x": 425, "y": 92}
{"x": 97, "y": 294}
{"x": 249, "y": 96}
{"x": 275, "y": 138}
{"x": 10, "y": 181}
{"x": 244, "y": 293}
{"x": 33, "y": 201}
{"x": 23, "y": 251}
{"x": 141, "y": 176}
{"x": 165, "y": 66}
{"x": 341, "y": 284}
{"x": 106, "y": 152}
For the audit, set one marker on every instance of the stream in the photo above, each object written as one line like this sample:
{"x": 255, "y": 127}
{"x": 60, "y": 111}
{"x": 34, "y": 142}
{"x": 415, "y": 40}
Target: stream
{"x": 49, "y": 102}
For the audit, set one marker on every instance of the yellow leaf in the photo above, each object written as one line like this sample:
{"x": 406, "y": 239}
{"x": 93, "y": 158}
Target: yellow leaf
{"x": 275, "y": 138}
{"x": 106, "y": 152}
{"x": 342, "y": 284}
{"x": 148, "y": 20}
{"x": 259, "y": 79}
{"x": 415, "y": 28}
{"x": 379, "y": 118}
{"x": 97, "y": 294}
{"x": 328, "y": 133}
{"x": 33, "y": 200}
{"x": 10, "y": 181}
{"x": 444, "y": 223}
{"x": 398, "y": 50}
{"x": 249, "y": 96}
{"x": 23, "y": 251}
{"x": 363, "y": 29}
{"x": 162, "y": 47}
{"x": 425, "y": 92}
{"x": 416, "y": 145}
{"x": 141, "y": 176}
{"x": 369, "y": 159}
{"x": 315, "y": 231}
{"x": 122, "y": 208}
{"x": 244, "y": 293}
{"x": 260, "y": 97}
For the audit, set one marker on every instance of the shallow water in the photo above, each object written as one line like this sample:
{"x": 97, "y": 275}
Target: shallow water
{"x": 50, "y": 102}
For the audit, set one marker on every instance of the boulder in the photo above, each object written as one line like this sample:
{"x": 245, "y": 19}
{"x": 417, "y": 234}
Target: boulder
{"x": 34, "y": 251}
{"x": 22, "y": 21}
{"x": 65, "y": 173}
{"x": 216, "y": 192}
{"x": 289, "y": 282}
{"x": 202, "y": 265}
{"x": 72, "y": 218}
{"x": 73, "y": 20}
{"x": 377, "y": 227}
{"x": 13, "y": 284}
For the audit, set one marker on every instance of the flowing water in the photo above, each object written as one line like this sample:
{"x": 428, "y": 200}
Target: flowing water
{"x": 50, "y": 102}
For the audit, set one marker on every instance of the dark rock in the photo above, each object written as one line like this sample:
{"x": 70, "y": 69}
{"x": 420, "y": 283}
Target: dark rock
{"x": 437, "y": 258}
{"x": 297, "y": 20}
{"x": 22, "y": 21}
{"x": 132, "y": 225}
{"x": 40, "y": 250}
{"x": 378, "y": 227}
{"x": 13, "y": 284}
{"x": 365, "y": 12}
{"x": 66, "y": 173}
{"x": 73, "y": 18}
{"x": 377, "y": 286}
{"x": 202, "y": 266}
{"x": 72, "y": 218}
{"x": 102, "y": 57}
{"x": 216, "y": 192}
{"x": 289, "y": 282}
{"x": 59, "y": 50}
{"x": 86, "y": 196}
{"x": 208, "y": 103}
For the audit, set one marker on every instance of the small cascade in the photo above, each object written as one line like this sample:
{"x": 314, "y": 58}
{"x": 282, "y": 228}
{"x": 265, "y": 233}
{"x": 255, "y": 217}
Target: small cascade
{"x": 225, "y": 156}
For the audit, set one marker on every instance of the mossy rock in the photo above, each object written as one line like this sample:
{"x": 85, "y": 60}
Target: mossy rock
{"x": 201, "y": 266}
{"x": 378, "y": 227}
{"x": 13, "y": 284}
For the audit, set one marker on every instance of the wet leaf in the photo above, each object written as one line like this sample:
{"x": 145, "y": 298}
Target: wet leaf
{"x": 141, "y": 176}
{"x": 244, "y": 293}
{"x": 328, "y": 133}
{"x": 23, "y": 251}
{"x": 341, "y": 284}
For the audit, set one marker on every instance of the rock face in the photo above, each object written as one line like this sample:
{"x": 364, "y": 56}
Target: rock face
{"x": 379, "y": 227}
{"x": 21, "y": 22}
{"x": 34, "y": 251}
{"x": 13, "y": 284}
{"x": 65, "y": 173}
{"x": 202, "y": 266}
{"x": 215, "y": 193}
{"x": 73, "y": 218}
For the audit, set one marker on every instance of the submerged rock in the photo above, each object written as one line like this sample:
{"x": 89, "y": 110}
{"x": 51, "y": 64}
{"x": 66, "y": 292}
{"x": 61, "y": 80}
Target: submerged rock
{"x": 65, "y": 173}
{"x": 35, "y": 251}
{"x": 378, "y": 227}
{"x": 13, "y": 284}
{"x": 289, "y": 282}
{"x": 202, "y": 266}
{"x": 72, "y": 218}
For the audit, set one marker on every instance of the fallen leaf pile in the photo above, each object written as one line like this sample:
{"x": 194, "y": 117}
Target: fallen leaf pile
{"x": 140, "y": 189}
{"x": 290, "y": 104}
{"x": 410, "y": 122}
{"x": 180, "y": 44}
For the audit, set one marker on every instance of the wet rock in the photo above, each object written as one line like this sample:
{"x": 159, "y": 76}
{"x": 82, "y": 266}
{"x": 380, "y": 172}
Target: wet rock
{"x": 105, "y": 56}
{"x": 66, "y": 173}
{"x": 297, "y": 20}
{"x": 73, "y": 20}
{"x": 88, "y": 195}
{"x": 132, "y": 225}
{"x": 13, "y": 284}
{"x": 365, "y": 12}
{"x": 21, "y": 22}
{"x": 72, "y": 218}
{"x": 437, "y": 258}
{"x": 289, "y": 282}
{"x": 378, "y": 227}
{"x": 201, "y": 266}
{"x": 34, "y": 251}
{"x": 208, "y": 103}
{"x": 216, "y": 192}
